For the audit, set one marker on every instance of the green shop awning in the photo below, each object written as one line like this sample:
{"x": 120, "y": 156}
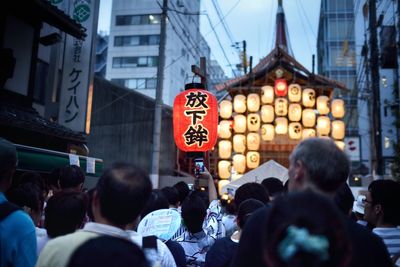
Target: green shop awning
{"x": 45, "y": 161}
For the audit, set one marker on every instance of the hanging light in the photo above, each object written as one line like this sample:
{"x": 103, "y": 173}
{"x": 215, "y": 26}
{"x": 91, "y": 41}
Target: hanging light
{"x": 280, "y": 87}
{"x": 225, "y": 109}
{"x": 281, "y": 106}
{"x": 267, "y": 94}
{"x": 239, "y": 143}
{"x": 308, "y": 132}
{"x": 338, "y": 129}
{"x": 323, "y": 105}
{"x": 340, "y": 144}
{"x": 323, "y": 125}
{"x": 308, "y": 117}
{"x": 253, "y": 122}
{"x": 281, "y": 125}
{"x": 253, "y": 102}
{"x": 338, "y": 109}
{"x": 221, "y": 184}
{"x": 239, "y": 125}
{"x": 267, "y": 113}
{"x": 253, "y": 141}
{"x": 239, "y": 163}
{"x": 224, "y": 149}
{"x": 239, "y": 104}
{"x": 294, "y": 112}
{"x": 309, "y": 98}
{"x": 267, "y": 132}
{"x": 295, "y": 130}
{"x": 224, "y": 129}
{"x": 224, "y": 169}
{"x": 252, "y": 159}
{"x": 294, "y": 92}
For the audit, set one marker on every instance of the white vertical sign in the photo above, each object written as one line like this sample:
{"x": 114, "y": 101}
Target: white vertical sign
{"x": 78, "y": 67}
{"x": 352, "y": 148}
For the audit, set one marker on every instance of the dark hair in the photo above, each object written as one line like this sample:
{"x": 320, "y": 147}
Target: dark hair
{"x": 344, "y": 198}
{"x": 172, "y": 194}
{"x": 251, "y": 190}
{"x": 201, "y": 194}
{"x": 246, "y": 209}
{"x": 108, "y": 251}
{"x": 35, "y": 178}
{"x": 183, "y": 190}
{"x": 71, "y": 176}
{"x": 90, "y": 194}
{"x": 387, "y": 194}
{"x": 156, "y": 201}
{"x": 311, "y": 212}
{"x": 193, "y": 213}
{"x": 54, "y": 178}
{"x": 65, "y": 212}
{"x": 273, "y": 185}
{"x": 27, "y": 195}
{"x": 327, "y": 167}
{"x": 8, "y": 158}
{"x": 123, "y": 191}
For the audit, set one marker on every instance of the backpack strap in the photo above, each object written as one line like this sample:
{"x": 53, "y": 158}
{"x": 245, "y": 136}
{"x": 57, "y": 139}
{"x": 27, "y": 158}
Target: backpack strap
{"x": 150, "y": 242}
{"x": 6, "y": 209}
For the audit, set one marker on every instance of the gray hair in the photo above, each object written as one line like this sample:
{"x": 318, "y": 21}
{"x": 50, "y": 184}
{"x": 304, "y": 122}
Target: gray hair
{"x": 326, "y": 165}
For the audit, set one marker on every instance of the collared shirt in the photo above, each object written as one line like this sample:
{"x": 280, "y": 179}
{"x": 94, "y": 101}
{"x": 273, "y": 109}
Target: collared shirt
{"x": 58, "y": 251}
{"x": 17, "y": 239}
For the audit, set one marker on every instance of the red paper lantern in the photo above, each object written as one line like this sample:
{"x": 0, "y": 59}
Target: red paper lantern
{"x": 195, "y": 120}
{"x": 281, "y": 87}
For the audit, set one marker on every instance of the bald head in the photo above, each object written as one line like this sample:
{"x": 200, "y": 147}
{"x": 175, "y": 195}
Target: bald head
{"x": 320, "y": 163}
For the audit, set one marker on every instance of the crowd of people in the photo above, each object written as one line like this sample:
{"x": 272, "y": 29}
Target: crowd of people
{"x": 313, "y": 219}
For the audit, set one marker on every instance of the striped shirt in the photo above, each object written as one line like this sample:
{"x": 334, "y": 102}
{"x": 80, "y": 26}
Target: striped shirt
{"x": 391, "y": 238}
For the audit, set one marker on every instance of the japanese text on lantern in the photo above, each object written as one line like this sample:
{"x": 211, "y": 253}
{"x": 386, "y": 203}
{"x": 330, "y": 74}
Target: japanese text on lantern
{"x": 196, "y": 132}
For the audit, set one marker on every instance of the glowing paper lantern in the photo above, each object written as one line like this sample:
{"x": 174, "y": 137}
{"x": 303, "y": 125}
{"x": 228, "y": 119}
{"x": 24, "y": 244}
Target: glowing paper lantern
{"x": 267, "y": 113}
{"x": 281, "y": 106}
{"x": 323, "y": 104}
{"x": 267, "y": 94}
{"x": 239, "y": 124}
{"x": 224, "y": 169}
{"x": 253, "y": 122}
{"x": 239, "y": 143}
{"x": 195, "y": 120}
{"x": 252, "y": 159}
{"x": 239, "y": 104}
{"x": 224, "y": 130}
{"x": 309, "y": 97}
{"x": 239, "y": 163}
{"x": 340, "y": 144}
{"x": 307, "y": 133}
{"x": 253, "y": 102}
{"x": 294, "y": 93}
{"x": 295, "y": 130}
{"x": 338, "y": 109}
{"x": 224, "y": 149}
{"x": 253, "y": 141}
{"x": 281, "y": 125}
{"x": 225, "y": 109}
{"x": 308, "y": 117}
{"x": 280, "y": 87}
{"x": 338, "y": 129}
{"x": 323, "y": 125}
{"x": 221, "y": 184}
{"x": 267, "y": 132}
{"x": 295, "y": 112}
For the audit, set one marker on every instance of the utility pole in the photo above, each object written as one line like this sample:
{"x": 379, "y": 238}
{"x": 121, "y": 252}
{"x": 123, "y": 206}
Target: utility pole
{"x": 244, "y": 61}
{"x": 155, "y": 159}
{"x": 374, "y": 65}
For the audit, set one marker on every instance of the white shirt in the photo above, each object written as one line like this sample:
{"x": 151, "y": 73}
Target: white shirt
{"x": 165, "y": 257}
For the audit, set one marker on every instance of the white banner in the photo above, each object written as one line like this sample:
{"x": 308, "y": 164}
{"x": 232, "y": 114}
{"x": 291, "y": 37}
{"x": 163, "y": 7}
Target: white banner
{"x": 78, "y": 67}
{"x": 352, "y": 148}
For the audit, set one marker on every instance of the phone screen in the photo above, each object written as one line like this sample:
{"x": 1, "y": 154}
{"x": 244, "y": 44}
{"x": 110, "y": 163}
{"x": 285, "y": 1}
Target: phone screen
{"x": 198, "y": 166}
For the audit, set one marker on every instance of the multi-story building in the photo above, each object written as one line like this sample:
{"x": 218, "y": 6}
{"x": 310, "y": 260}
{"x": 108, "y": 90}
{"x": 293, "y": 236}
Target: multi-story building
{"x": 387, "y": 24}
{"x": 134, "y": 45}
{"x": 101, "y": 54}
{"x": 337, "y": 57}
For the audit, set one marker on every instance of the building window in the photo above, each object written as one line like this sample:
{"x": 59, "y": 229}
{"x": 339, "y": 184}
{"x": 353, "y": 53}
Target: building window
{"x": 137, "y": 83}
{"x": 134, "y": 62}
{"x": 122, "y": 20}
{"x": 133, "y": 40}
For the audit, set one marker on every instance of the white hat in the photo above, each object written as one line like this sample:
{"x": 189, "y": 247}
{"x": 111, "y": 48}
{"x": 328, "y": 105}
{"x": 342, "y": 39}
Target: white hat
{"x": 358, "y": 205}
